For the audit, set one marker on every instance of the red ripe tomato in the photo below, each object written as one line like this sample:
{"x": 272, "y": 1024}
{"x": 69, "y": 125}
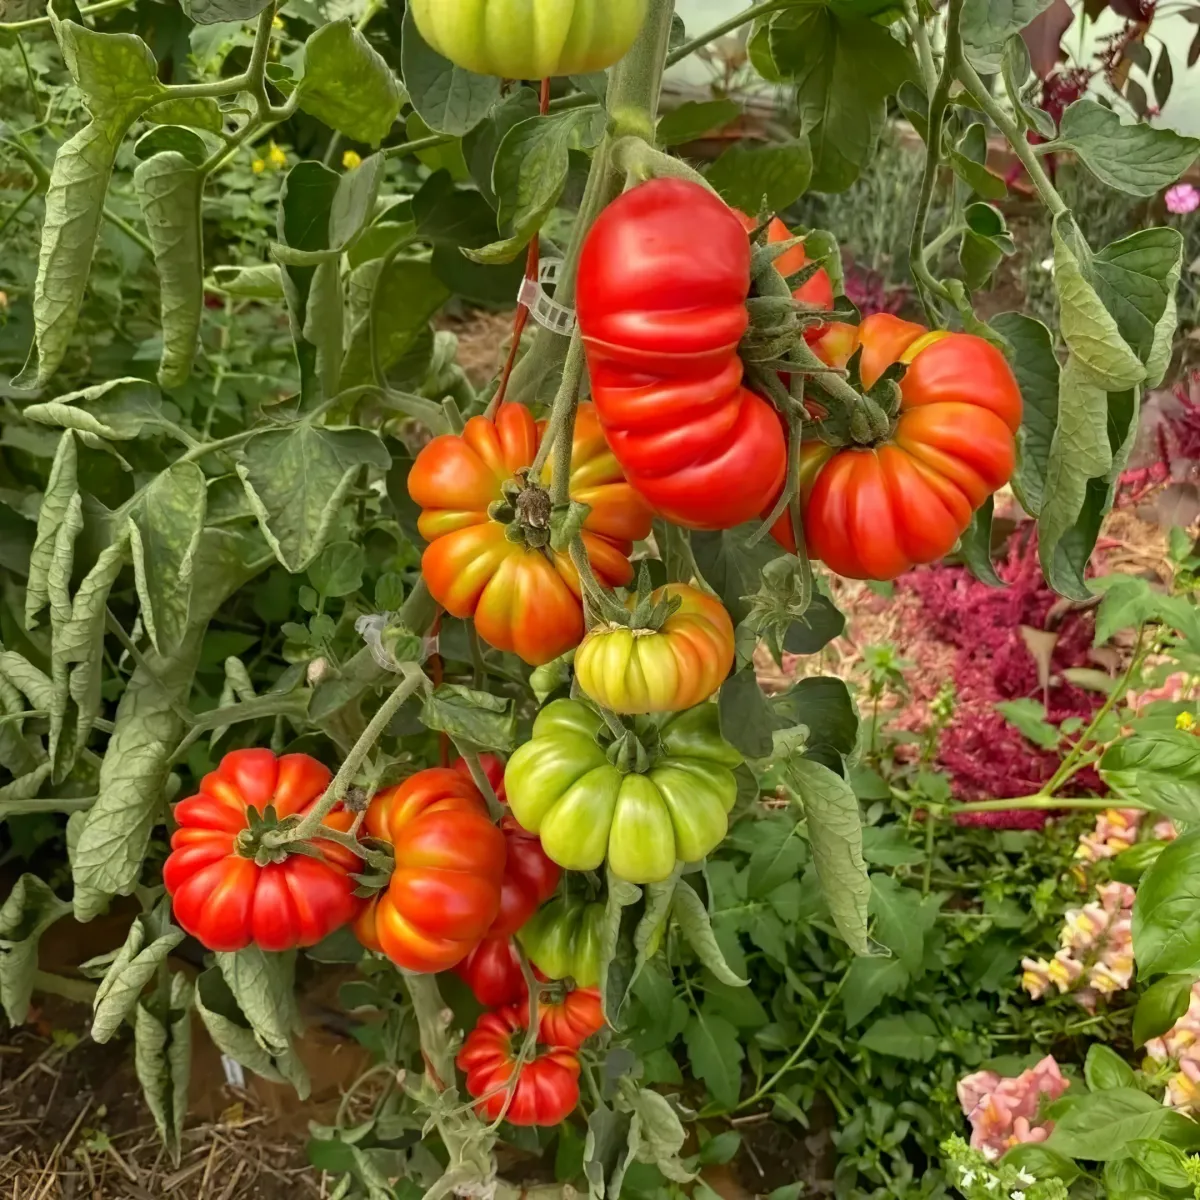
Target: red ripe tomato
{"x": 227, "y": 901}
{"x": 493, "y": 769}
{"x": 523, "y": 598}
{"x": 493, "y": 972}
{"x": 572, "y": 1020}
{"x": 530, "y": 878}
{"x": 661, "y": 300}
{"x": 817, "y": 291}
{"x": 546, "y": 1090}
{"x": 872, "y": 512}
{"x": 444, "y": 892}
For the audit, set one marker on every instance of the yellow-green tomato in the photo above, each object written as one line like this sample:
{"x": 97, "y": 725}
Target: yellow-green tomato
{"x": 530, "y": 39}
{"x": 561, "y": 786}
{"x": 563, "y": 938}
{"x": 637, "y": 671}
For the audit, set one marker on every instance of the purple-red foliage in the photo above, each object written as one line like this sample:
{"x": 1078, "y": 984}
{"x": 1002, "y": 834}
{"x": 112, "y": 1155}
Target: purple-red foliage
{"x": 870, "y": 291}
{"x": 984, "y": 755}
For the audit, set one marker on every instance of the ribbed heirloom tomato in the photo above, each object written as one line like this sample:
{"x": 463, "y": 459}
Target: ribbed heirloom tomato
{"x": 444, "y": 892}
{"x": 666, "y": 670}
{"x": 563, "y": 940}
{"x": 530, "y": 878}
{"x": 546, "y": 1090}
{"x": 572, "y": 1020}
{"x": 523, "y": 597}
{"x": 493, "y": 972}
{"x": 226, "y": 900}
{"x": 530, "y": 39}
{"x": 661, "y": 301}
{"x": 874, "y": 512}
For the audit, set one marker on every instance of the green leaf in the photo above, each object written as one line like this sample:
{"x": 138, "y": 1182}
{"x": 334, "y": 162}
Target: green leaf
{"x": 903, "y": 918}
{"x": 1101, "y": 1125}
{"x": 479, "y": 146}
{"x": 763, "y": 177}
{"x": 822, "y": 704}
{"x": 716, "y": 1055}
{"x": 263, "y": 282}
{"x": 844, "y": 68}
{"x": 115, "y": 71}
{"x": 107, "y": 857}
{"x": 1164, "y": 1163}
{"x": 338, "y": 570}
{"x": 1162, "y": 769}
{"x": 732, "y": 567}
{"x": 448, "y": 98}
{"x": 348, "y": 85}
{"x": 296, "y": 480}
{"x": 615, "y": 969}
{"x": 1105, "y": 1069}
{"x": 1029, "y": 716}
{"x": 229, "y": 1027}
{"x": 164, "y": 531}
{"x": 213, "y": 12}
{"x": 169, "y": 188}
{"x": 968, "y": 160}
{"x": 745, "y": 717}
{"x": 1042, "y": 1163}
{"x": 870, "y": 981}
{"x": 136, "y": 964}
{"x": 1160, "y": 1006}
{"x": 975, "y": 545}
{"x": 688, "y": 910}
{"x": 835, "y": 831}
{"x": 162, "y": 1059}
{"x": 530, "y": 172}
{"x": 477, "y": 719}
{"x": 1166, "y": 913}
{"x": 1017, "y": 69}
{"x": 987, "y": 24}
{"x": 201, "y": 112}
{"x": 118, "y": 410}
{"x": 912, "y": 1036}
{"x": 178, "y": 139}
{"x": 656, "y": 1134}
{"x": 693, "y": 118}
{"x": 28, "y": 911}
{"x": 1139, "y": 159}
{"x": 60, "y": 488}
{"x": 1037, "y": 370}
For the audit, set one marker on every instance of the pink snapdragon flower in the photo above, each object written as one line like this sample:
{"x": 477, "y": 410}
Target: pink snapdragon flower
{"x": 1180, "y": 1045}
{"x": 1182, "y": 198}
{"x": 1003, "y": 1112}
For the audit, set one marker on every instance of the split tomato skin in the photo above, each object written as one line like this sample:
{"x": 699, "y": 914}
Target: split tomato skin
{"x": 546, "y": 1090}
{"x": 228, "y": 902}
{"x": 530, "y": 39}
{"x": 444, "y": 893}
{"x": 634, "y": 671}
{"x": 522, "y": 599}
{"x": 661, "y": 299}
{"x": 876, "y": 512}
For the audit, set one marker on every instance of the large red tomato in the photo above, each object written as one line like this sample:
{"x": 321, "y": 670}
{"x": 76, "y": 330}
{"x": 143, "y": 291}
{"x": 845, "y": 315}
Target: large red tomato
{"x": 493, "y": 770}
{"x": 226, "y": 900}
{"x": 444, "y": 892}
{"x": 872, "y": 512}
{"x": 572, "y": 1020}
{"x": 523, "y": 598}
{"x": 816, "y": 292}
{"x": 530, "y": 878}
{"x": 493, "y": 972}
{"x": 546, "y": 1090}
{"x": 661, "y": 300}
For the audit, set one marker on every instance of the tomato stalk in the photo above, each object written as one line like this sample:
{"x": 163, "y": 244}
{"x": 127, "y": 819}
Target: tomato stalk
{"x": 640, "y": 161}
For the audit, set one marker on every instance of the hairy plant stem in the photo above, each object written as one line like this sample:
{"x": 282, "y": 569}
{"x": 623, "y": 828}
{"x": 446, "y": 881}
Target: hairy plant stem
{"x": 413, "y": 679}
{"x": 920, "y": 37}
{"x": 252, "y": 80}
{"x": 562, "y": 417}
{"x": 92, "y": 10}
{"x": 938, "y": 101}
{"x": 719, "y": 31}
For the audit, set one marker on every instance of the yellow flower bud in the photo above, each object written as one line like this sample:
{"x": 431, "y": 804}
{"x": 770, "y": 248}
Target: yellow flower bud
{"x": 276, "y": 156}
{"x": 351, "y": 160}
{"x": 258, "y": 166}
{"x": 1185, "y": 721}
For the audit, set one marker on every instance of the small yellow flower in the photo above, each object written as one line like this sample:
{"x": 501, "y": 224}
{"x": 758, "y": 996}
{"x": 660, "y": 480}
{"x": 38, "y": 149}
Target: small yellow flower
{"x": 276, "y": 157}
{"x": 351, "y": 159}
{"x": 258, "y": 166}
{"x": 277, "y": 22}
{"x": 1185, "y": 721}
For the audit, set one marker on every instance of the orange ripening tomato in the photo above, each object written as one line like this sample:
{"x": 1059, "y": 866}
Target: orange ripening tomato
{"x": 523, "y": 599}
{"x": 872, "y": 512}
{"x": 546, "y": 1090}
{"x": 493, "y": 972}
{"x": 661, "y": 298}
{"x": 444, "y": 892}
{"x": 572, "y": 1020}
{"x": 816, "y": 292}
{"x": 227, "y": 901}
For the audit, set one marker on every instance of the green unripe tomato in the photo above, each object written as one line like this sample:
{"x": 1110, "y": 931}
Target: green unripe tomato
{"x": 561, "y": 786}
{"x": 563, "y": 939}
{"x": 530, "y": 39}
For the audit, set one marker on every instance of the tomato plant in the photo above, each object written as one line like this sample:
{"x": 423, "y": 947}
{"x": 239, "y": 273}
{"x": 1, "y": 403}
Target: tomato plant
{"x": 563, "y": 940}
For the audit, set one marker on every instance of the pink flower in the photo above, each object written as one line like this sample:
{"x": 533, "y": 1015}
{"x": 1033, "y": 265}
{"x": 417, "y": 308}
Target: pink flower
{"x": 1003, "y": 1112}
{"x": 1182, "y": 198}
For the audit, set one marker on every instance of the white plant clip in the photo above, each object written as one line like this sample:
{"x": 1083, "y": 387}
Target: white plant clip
{"x": 547, "y": 312}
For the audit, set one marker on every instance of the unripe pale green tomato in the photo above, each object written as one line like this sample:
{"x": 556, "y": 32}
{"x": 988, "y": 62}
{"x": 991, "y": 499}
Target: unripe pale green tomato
{"x": 563, "y": 938}
{"x": 562, "y": 787}
{"x": 530, "y": 39}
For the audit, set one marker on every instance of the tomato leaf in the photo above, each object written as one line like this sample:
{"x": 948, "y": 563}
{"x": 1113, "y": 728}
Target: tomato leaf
{"x": 479, "y": 146}
{"x": 615, "y": 975}
{"x": 716, "y": 1055}
{"x": 212, "y": 12}
{"x": 229, "y": 1027}
{"x": 985, "y": 27}
{"x": 56, "y": 499}
{"x": 28, "y": 911}
{"x": 763, "y": 177}
{"x": 162, "y": 1058}
{"x": 474, "y": 719}
{"x": 119, "y": 410}
{"x": 688, "y": 909}
{"x": 450, "y": 99}
{"x": 693, "y": 118}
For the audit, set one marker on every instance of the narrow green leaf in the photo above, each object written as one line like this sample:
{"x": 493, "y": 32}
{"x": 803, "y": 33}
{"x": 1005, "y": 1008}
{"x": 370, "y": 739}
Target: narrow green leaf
{"x": 136, "y": 964}
{"x": 28, "y": 911}
{"x": 60, "y": 488}
{"x": 473, "y": 718}
{"x": 162, "y": 1059}
{"x": 911, "y": 1036}
{"x": 688, "y": 910}
{"x": 117, "y": 410}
